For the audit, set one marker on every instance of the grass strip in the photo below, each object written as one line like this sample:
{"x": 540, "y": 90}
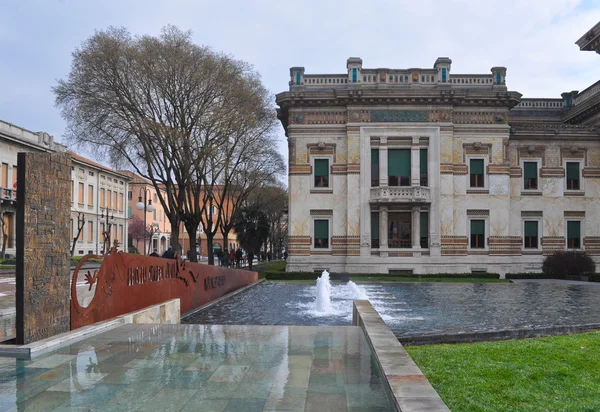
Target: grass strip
{"x": 557, "y": 373}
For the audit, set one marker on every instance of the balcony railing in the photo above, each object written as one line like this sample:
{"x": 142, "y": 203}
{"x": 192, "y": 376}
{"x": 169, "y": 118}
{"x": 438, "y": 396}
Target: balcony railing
{"x": 400, "y": 194}
{"x": 8, "y": 194}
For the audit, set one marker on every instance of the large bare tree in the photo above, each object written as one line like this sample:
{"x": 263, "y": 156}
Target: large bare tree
{"x": 162, "y": 106}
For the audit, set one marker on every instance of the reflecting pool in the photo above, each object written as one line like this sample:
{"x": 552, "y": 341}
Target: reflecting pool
{"x": 416, "y": 309}
{"x": 200, "y": 368}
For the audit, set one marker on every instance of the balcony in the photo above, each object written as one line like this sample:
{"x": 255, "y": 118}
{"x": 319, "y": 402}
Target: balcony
{"x": 400, "y": 194}
{"x": 8, "y": 195}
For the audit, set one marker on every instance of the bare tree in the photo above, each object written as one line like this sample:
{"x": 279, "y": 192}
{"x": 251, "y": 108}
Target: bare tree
{"x": 161, "y": 105}
{"x": 272, "y": 200}
{"x": 80, "y": 225}
{"x": 136, "y": 230}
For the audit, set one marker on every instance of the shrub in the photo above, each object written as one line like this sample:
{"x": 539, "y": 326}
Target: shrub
{"x": 276, "y": 275}
{"x": 561, "y": 264}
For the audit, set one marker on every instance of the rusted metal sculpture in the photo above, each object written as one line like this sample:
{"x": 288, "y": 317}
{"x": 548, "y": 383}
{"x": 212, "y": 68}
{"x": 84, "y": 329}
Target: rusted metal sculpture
{"x": 126, "y": 282}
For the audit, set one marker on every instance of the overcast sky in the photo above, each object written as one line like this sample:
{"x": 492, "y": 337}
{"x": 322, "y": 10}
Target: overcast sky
{"x": 534, "y": 39}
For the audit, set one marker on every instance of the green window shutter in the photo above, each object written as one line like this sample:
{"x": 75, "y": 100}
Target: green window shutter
{"x": 374, "y": 226}
{"x": 399, "y": 162}
{"x": 477, "y": 227}
{"x": 573, "y": 170}
{"x": 530, "y": 170}
{"x": 531, "y": 229}
{"x": 573, "y": 229}
{"x": 424, "y": 224}
{"x": 154, "y": 214}
{"x": 374, "y": 156}
{"x": 423, "y": 160}
{"x": 476, "y": 167}
{"x": 321, "y": 167}
{"x": 321, "y": 229}
{"x": 129, "y": 212}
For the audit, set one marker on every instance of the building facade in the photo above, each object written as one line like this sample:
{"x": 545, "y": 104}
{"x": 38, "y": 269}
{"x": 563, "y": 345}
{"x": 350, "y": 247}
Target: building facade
{"x": 98, "y": 206}
{"x": 427, "y": 171}
{"x": 94, "y": 189}
{"x": 159, "y": 228}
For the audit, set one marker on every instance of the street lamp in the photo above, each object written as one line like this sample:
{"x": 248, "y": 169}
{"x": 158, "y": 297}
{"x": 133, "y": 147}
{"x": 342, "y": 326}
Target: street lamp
{"x": 146, "y": 205}
{"x": 109, "y": 220}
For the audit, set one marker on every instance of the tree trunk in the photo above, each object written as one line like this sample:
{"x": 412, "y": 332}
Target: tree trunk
{"x": 225, "y": 238}
{"x": 192, "y": 256}
{"x": 209, "y": 247}
{"x": 73, "y": 246}
{"x": 4, "y": 239}
{"x": 175, "y": 234}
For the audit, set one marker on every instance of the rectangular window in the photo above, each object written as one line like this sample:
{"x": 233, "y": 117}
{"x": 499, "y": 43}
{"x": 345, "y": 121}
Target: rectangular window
{"x": 80, "y": 193}
{"x": 477, "y": 234}
{"x": 14, "y": 176}
{"x": 155, "y": 198}
{"x": 354, "y": 74}
{"x": 399, "y": 167}
{"x": 102, "y": 198}
{"x": 531, "y": 234}
{"x": 120, "y": 233}
{"x": 374, "y": 167}
{"x": 9, "y": 229}
{"x": 80, "y": 232}
{"x": 572, "y": 175}
{"x": 129, "y": 212}
{"x": 444, "y": 74}
{"x": 90, "y": 195}
{"x": 90, "y": 231}
{"x": 424, "y": 227}
{"x": 423, "y": 167}
{"x": 154, "y": 214}
{"x": 573, "y": 234}
{"x": 72, "y": 230}
{"x": 108, "y": 199}
{"x": 5, "y": 175}
{"x": 321, "y": 234}
{"x": 530, "y": 175}
{"x": 374, "y": 229}
{"x": 115, "y": 206}
{"x": 321, "y": 173}
{"x": 399, "y": 230}
{"x": 476, "y": 172}
{"x": 121, "y": 202}
{"x": 129, "y": 195}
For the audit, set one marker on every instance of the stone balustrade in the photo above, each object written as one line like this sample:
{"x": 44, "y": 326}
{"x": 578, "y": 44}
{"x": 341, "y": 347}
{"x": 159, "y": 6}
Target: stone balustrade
{"x": 587, "y": 93}
{"x": 400, "y": 194}
{"x": 541, "y": 103}
{"x": 471, "y": 80}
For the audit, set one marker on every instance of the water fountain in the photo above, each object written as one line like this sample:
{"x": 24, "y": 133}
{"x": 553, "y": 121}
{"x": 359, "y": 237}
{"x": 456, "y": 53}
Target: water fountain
{"x": 324, "y": 293}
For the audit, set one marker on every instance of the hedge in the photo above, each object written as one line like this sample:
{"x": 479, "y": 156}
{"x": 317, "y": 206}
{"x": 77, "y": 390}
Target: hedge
{"x": 278, "y": 275}
{"x": 592, "y": 277}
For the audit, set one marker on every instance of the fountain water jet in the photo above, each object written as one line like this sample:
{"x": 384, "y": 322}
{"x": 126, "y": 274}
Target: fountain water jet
{"x": 324, "y": 293}
{"x": 358, "y": 292}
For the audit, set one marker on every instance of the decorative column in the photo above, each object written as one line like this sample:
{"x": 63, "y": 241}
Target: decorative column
{"x": 383, "y": 163}
{"x": 416, "y": 227}
{"x": 415, "y": 162}
{"x": 383, "y": 228}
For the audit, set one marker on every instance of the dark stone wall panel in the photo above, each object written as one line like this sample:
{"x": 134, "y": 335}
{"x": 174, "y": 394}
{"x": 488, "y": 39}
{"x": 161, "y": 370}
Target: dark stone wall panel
{"x": 43, "y": 224}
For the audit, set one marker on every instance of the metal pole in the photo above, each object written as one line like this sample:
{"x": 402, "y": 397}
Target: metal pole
{"x": 145, "y": 212}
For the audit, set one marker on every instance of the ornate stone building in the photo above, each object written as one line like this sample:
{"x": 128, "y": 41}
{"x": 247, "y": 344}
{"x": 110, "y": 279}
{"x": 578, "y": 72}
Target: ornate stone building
{"x": 424, "y": 170}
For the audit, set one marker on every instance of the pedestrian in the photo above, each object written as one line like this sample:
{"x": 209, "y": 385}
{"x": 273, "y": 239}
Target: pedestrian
{"x": 250, "y": 259}
{"x": 169, "y": 253}
{"x": 154, "y": 253}
{"x": 238, "y": 257}
{"x": 268, "y": 256}
{"x": 225, "y": 258}
{"x": 232, "y": 258}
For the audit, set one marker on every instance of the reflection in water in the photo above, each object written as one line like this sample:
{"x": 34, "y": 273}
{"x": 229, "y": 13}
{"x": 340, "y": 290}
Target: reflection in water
{"x": 417, "y": 308}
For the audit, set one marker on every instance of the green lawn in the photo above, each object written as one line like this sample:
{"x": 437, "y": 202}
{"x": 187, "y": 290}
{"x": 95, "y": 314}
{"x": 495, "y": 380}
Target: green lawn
{"x": 545, "y": 374}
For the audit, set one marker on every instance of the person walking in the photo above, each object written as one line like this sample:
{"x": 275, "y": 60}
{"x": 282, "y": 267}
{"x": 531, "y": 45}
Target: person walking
{"x": 238, "y": 257}
{"x": 154, "y": 253}
{"x": 225, "y": 258}
{"x": 232, "y": 258}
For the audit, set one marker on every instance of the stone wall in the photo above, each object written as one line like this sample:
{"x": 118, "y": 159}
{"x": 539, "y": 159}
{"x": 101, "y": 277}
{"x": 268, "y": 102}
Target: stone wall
{"x": 43, "y": 205}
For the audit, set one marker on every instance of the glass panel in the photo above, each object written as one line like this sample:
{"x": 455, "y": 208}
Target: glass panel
{"x": 477, "y": 227}
{"x": 321, "y": 229}
{"x": 531, "y": 228}
{"x": 573, "y": 229}
{"x": 573, "y": 170}
{"x": 399, "y": 167}
{"x": 423, "y": 160}
{"x": 374, "y": 167}
{"x": 375, "y": 225}
{"x": 476, "y": 167}
{"x": 530, "y": 170}
{"x": 424, "y": 228}
{"x": 321, "y": 167}
{"x": 399, "y": 230}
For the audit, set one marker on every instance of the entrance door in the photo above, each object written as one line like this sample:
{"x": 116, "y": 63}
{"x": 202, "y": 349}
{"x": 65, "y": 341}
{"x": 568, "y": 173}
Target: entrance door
{"x": 399, "y": 235}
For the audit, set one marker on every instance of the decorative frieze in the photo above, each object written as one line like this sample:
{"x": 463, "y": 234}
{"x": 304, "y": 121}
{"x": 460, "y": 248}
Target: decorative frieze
{"x": 460, "y": 169}
{"x": 591, "y": 172}
{"x": 477, "y": 149}
{"x": 299, "y": 245}
{"x": 321, "y": 212}
{"x": 447, "y": 168}
{"x": 478, "y": 212}
{"x": 479, "y": 118}
{"x": 454, "y": 245}
{"x": 498, "y": 169}
{"x": 592, "y": 245}
{"x": 318, "y": 117}
{"x": 345, "y": 245}
{"x": 552, "y": 172}
{"x": 300, "y": 170}
{"x": 550, "y": 244}
{"x": 528, "y": 213}
{"x": 505, "y": 245}
{"x": 400, "y": 116}
{"x": 569, "y": 213}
